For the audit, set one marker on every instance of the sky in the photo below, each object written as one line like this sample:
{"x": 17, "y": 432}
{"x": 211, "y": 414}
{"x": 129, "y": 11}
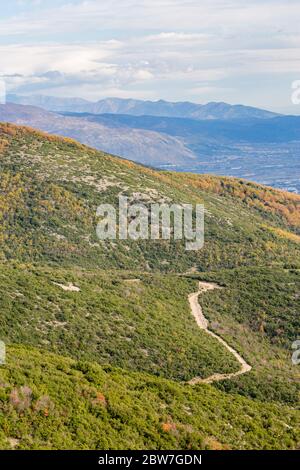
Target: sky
{"x": 237, "y": 51}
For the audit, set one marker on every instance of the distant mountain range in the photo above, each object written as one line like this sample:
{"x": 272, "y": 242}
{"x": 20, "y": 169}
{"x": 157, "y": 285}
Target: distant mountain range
{"x": 147, "y": 147}
{"x": 139, "y": 108}
{"x": 259, "y": 149}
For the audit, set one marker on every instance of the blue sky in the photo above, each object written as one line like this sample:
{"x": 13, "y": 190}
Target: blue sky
{"x": 236, "y": 51}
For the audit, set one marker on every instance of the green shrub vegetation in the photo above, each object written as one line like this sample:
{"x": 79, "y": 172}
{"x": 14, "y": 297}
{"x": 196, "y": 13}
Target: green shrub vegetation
{"x": 257, "y": 309}
{"x": 104, "y": 366}
{"x": 140, "y": 323}
{"x": 52, "y": 402}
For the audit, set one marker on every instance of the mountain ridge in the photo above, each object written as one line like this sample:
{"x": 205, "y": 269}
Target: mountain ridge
{"x": 147, "y": 147}
{"x": 212, "y": 110}
{"x": 254, "y": 149}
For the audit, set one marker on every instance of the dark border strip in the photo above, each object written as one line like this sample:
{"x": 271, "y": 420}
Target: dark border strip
{"x": 140, "y": 459}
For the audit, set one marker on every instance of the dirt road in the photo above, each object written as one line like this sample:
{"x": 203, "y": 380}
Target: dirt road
{"x": 202, "y": 322}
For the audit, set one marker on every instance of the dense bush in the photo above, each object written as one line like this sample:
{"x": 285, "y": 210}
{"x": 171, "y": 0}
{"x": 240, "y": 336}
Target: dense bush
{"x": 130, "y": 308}
{"x": 79, "y": 405}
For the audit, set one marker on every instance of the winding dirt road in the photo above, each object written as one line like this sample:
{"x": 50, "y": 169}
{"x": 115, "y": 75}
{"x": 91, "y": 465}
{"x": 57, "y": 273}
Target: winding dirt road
{"x": 202, "y": 322}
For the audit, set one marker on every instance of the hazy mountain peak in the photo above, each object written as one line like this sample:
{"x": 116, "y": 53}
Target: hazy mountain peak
{"x": 185, "y": 109}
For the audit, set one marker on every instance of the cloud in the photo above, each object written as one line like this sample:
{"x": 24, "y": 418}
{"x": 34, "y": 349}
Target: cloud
{"x": 162, "y": 48}
{"x": 218, "y": 16}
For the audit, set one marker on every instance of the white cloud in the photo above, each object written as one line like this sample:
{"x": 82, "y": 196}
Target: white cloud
{"x": 218, "y": 16}
{"x": 159, "y": 48}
